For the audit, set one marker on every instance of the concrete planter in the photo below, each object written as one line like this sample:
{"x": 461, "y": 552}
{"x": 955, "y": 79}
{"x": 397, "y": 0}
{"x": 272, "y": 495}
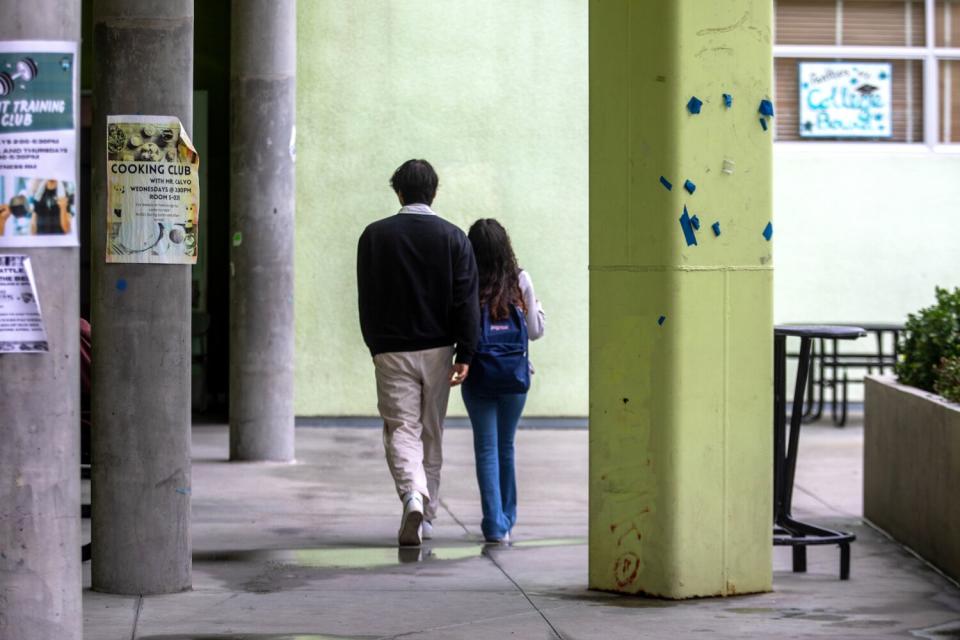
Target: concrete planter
{"x": 911, "y": 469}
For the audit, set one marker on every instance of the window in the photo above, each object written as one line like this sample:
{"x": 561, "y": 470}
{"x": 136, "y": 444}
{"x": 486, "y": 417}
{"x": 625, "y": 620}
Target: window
{"x": 917, "y": 46}
{"x": 947, "y": 37}
{"x": 950, "y": 101}
{"x": 948, "y": 23}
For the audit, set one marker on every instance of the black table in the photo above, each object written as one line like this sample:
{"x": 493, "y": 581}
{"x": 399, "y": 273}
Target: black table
{"x": 787, "y": 531}
{"x": 829, "y": 368}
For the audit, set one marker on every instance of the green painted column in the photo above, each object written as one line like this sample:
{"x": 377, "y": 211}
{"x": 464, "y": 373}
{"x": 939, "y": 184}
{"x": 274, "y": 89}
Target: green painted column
{"x": 680, "y": 412}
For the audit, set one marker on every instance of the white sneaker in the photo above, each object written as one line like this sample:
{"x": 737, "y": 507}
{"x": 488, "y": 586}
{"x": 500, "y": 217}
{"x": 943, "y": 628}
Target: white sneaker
{"x": 427, "y": 530}
{"x": 506, "y": 540}
{"x": 409, "y": 533}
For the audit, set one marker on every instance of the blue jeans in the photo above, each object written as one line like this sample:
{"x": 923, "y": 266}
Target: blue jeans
{"x": 494, "y": 420}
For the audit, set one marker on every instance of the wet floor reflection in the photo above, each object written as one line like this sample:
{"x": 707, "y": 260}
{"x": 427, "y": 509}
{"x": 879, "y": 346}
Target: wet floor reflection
{"x": 947, "y": 630}
{"x": 254, "y": 636}
{"x": 360, "y": 557}
{"x": 549, "y": 542}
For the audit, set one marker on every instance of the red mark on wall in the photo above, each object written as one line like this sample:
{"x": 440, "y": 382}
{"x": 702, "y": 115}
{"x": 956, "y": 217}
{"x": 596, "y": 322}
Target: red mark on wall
{"x": 625, "y": 569}
{"x": 632, "y": 529}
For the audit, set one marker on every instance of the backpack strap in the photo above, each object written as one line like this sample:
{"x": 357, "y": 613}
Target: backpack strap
{"x": 484, "y": 323}
{"x": 521, "y": 322}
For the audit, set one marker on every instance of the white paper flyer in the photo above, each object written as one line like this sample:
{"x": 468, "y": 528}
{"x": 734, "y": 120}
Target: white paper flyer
{"x": 21, "y": 323}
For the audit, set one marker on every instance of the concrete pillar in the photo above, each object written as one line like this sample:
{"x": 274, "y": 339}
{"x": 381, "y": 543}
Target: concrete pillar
{"x": 40, "y": 575}
{"x": 263, "y": 105}
{"x": 141, "y": 359}
{"x": 680, "y": 336}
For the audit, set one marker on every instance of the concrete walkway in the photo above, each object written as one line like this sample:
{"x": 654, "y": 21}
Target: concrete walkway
{"x": 307, "y": 551}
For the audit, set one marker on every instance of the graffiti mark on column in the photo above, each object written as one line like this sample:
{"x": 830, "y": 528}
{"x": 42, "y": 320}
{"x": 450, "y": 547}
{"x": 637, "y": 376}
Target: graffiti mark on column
{"x": 626, "y": 568}
{"x": 632, "y": 529}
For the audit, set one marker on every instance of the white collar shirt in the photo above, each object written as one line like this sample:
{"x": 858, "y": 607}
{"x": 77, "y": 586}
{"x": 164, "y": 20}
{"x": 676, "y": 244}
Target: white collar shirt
{"x": 419, "y": 208}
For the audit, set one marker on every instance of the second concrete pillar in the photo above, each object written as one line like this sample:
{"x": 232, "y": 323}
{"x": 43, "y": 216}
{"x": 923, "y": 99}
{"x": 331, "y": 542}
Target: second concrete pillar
{"x": 262, "y": 185}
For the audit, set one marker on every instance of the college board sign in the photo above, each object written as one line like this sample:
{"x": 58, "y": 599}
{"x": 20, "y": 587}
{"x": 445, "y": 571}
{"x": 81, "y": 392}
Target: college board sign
{"x": 845, "y": 100}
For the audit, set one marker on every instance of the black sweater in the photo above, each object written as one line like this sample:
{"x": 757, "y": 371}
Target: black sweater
{"x": 417, "y": 285}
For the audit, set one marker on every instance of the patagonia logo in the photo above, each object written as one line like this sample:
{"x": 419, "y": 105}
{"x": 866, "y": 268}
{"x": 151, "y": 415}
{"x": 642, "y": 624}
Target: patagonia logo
{"x": 499, "y": 327}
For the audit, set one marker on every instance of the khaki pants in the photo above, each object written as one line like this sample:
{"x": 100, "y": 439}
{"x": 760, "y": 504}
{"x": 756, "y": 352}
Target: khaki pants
{"x": 413, "y": 388}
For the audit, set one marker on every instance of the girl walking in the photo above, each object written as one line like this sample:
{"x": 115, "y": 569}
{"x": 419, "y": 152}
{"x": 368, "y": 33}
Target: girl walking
{"x": 496, "y": 389}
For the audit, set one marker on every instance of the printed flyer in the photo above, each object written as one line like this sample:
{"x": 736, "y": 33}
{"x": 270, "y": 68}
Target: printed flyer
{"x": 153, "y": 191}
{"x": 38, "y": 144}
{"x": 21, "y": 324}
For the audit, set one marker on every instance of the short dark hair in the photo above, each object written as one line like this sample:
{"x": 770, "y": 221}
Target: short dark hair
{"x": 415, "y": 181}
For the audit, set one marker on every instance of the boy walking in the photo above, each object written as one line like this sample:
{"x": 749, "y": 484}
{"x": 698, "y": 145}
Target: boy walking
{"x": 419, "y": 315}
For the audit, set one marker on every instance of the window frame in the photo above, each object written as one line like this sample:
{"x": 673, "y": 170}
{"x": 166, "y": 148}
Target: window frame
{"x": 929, "y": 55}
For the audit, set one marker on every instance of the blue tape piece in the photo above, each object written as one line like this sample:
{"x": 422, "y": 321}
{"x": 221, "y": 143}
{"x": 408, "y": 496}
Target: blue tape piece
{"x": 694, "y": 105}
{"x": 661, "y": 320}
{"x": 185, "y": 492}
{"x": 666, "y": 183}
{"x": 688, "y": 233}
{"x": 763, "y": 123}
{"x": 695, "y": 221}
{"x": 727, "y": 100}
{"x": 716, "y": 228}
{"x": 766, "y": 108}
{"x": 689, "y": 186}
{"x": 121, "y": 285}
{"x": 768, "y": 231}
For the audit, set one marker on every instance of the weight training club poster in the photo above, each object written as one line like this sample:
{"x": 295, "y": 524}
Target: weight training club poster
{"x": 153, "y": 191}
{"x": 38, "y": 141}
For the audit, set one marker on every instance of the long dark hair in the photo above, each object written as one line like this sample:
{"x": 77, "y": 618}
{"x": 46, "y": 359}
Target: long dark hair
{"x": 497, "y": 266}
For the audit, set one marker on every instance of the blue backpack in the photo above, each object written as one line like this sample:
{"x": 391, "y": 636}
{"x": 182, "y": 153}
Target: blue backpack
{"x": 501, "y": 363}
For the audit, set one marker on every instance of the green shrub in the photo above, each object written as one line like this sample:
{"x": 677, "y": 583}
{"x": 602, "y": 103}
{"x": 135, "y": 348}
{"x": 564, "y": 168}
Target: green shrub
{"x": 931, "y": 335}
{"x": 948, "y": 379}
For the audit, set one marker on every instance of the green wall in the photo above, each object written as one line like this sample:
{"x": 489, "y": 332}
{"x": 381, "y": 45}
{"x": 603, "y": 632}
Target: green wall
{"x": 494, "y": 94}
